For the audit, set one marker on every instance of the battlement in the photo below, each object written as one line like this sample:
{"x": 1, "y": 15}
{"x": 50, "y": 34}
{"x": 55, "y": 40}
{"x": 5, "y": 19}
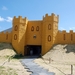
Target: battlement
{"x": 51, "y": 17}
{"x": 20, "y": 19}
{"x": 5, "y": 32}
{"x": 5, "y": 37}
{"x": 52, "y": 14}
{"x": 64, "y": 31}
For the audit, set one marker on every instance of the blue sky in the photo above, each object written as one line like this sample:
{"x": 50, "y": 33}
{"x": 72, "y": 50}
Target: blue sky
{"x": 35, "y": 9}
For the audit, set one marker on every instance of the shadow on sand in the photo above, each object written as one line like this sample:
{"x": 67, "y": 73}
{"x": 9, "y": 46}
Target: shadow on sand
{"x": 5, "y": 46}
{"x": 69, "y": 48}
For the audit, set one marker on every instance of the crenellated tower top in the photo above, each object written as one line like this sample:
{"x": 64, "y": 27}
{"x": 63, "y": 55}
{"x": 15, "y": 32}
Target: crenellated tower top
{"x": 20, "y": 19}
{"x": 51, "y": 17}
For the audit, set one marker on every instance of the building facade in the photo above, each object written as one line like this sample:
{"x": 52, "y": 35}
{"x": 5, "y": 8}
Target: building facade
{"x": 36, "y": 36}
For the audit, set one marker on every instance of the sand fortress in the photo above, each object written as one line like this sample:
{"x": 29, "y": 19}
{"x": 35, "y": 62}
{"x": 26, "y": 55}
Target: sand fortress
{"x": 38, "y": 35}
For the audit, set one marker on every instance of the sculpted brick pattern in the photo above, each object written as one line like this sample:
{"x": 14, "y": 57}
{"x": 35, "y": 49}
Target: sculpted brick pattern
{"x": 32, "y": 28}
{"x": 16, "y": 28}
{"x": 15, "y": 37}
{"x": 49, "y": 26}
{"x": 49, "y": 38}
{"x": 37, "y": 28}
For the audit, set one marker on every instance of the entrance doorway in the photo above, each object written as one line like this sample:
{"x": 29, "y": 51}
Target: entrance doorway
{"x": 33, "y": 50}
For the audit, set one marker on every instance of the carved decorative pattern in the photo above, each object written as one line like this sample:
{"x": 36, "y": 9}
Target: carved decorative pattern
{"x": 64, "y": 36}
{"x": 15, "y": 37}
{"x": 34, "y": 36}
{"x": 7, "y": 37}
{"x": 32, "y": 28}
{"x": 71, "y": 37}
{"x": 16, "y": 28}
{"x": 49, "y": 38}
{"x": 37, "y": 28}
{"x": 49, "y": 27}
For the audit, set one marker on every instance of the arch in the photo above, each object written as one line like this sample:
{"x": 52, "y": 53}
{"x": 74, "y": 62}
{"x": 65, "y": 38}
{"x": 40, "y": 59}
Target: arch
{"x": 49, "y": 27}
{"x": 16, "y": 28}
{"x": 49, "y": 38}
{"x": 37, "y": 28}
{"x": 32, "y": 28}
{"x": 15, "y": 37}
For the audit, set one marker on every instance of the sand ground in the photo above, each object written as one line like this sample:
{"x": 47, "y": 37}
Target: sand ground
{"x": 59, "y": 59}
{"x": 12, "y": 66}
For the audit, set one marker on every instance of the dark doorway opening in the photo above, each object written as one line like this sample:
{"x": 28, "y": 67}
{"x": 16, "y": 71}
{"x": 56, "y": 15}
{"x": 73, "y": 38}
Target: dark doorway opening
{"x": 33, "y": 50}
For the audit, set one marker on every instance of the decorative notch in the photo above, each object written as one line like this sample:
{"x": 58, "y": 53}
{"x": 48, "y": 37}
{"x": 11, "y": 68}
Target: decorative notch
{"x": 71, "y": 37}
{"x": 37, "y": 28}
{"x": 32, "y": 28}
{"x": 49, "y": 27}
{"x": 49, "y": 38}
{"x": 34, "y": 36}
{"x": 64, "y": 36}
{"x": 15, "y": 37}
{"x": 16, "y": 28}
{"x": 7, "y": 37}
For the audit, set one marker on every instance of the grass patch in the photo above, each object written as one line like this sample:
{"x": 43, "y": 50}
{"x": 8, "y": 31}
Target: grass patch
{"x": 17, "y": 56}
{"x": 7, "y": 71}
{"x": 6, "y": 56}
{"x": 1, "y": 67}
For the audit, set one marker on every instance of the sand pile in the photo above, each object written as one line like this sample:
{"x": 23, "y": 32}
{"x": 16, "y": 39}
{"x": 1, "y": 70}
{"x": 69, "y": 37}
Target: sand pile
{"x": 6, "y": 49}
{"x": 59, "y": 59}
{"x": 61, "y": 53}
{"x": 12, "y": 67}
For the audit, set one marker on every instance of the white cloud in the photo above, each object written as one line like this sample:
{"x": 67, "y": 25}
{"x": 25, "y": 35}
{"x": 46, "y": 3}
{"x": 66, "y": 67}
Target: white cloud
{"x": 4, "y": 8}
{"x": 9, "y": 19}
{"x": 72, "y": 28}
{"x": 61, "y": 28}
{"x": 1, "y": 18}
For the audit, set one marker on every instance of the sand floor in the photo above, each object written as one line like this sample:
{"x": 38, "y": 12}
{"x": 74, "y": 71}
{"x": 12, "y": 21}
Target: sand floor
{"x": 59, "y": 59}
{"x": 12, "y": 67}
